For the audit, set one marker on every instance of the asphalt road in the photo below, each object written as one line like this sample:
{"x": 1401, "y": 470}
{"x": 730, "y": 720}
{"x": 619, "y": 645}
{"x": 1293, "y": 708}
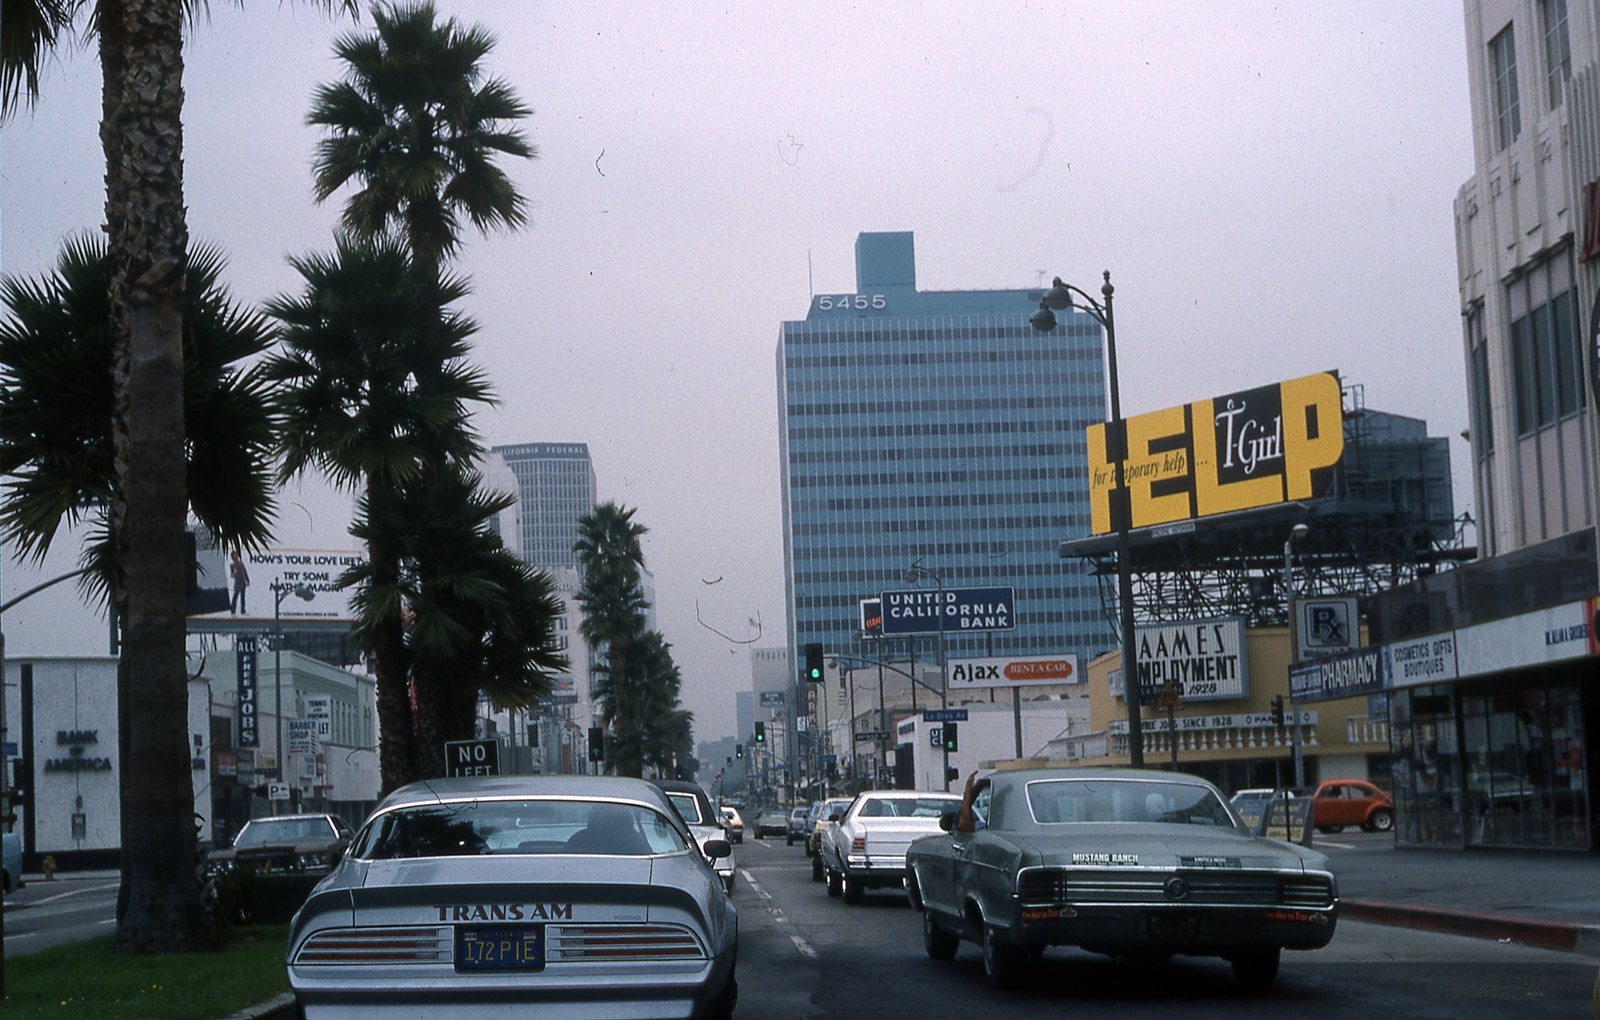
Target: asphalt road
{"x": 802, "y": 954}
{"x": 42, "y": 914}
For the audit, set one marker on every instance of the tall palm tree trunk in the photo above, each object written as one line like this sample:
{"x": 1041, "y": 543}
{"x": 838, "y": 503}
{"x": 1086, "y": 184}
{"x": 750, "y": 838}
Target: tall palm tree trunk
{"x": 163, "y": 912}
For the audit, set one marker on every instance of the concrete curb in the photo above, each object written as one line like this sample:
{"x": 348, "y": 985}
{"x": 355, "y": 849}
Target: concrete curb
{"x": 1560, "y": 936}
{"x": 279, "y": 1007}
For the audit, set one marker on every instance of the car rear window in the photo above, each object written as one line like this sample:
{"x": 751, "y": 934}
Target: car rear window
{"x": 688, "y": 806}
{"x": 906, "y": 807}
{"x": 1108, "y": 800}
{"x": 478, "y": 827}
{"x": 268, "y": 832}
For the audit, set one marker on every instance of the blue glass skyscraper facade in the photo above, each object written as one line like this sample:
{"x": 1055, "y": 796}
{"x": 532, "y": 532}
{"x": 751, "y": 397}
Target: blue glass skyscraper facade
{"x": 940, "y": 427}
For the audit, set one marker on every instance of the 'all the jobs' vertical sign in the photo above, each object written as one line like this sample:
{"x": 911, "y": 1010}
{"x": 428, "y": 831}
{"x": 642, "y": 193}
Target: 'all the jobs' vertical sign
{"x": 471, "y": 758}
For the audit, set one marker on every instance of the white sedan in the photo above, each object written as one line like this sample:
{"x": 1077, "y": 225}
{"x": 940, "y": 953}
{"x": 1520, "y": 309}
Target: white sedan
{"x": 867, "y": 848}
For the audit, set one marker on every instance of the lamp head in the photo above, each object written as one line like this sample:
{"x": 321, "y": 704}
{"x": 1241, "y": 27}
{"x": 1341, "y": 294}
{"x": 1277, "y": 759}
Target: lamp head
{"x": 1299, "y": 531}
{"x": 1058, "y": 297}
{"x": 304, "y": 592}
{"x": 1043, "y": 320}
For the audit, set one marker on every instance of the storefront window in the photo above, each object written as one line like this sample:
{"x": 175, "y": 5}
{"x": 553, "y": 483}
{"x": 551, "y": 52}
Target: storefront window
{"x": 1426, "y": 767}
{"x": 1525, "y": 773}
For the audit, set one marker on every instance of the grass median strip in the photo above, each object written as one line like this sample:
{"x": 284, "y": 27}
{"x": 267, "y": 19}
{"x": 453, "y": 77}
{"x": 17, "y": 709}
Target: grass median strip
{"x": 88, "y": 981}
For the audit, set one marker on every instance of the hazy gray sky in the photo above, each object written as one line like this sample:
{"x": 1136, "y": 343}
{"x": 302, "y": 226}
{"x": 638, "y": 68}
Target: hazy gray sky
{"x": 1269, "y": 184}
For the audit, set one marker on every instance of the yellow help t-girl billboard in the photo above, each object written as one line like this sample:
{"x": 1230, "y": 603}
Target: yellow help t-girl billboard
{"x": 1272, "y": 444}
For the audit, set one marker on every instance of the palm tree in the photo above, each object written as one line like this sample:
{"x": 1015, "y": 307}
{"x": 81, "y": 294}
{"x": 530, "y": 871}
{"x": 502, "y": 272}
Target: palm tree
{"x": 375, "y": 392}
{"x": 56, "y": 399}
{"x": 28, "y": 31}
{"x": 141, "y": 132}
{"x": 417, "y": 127}
{"x": 481, "y": 619}
{"x": 638, "y": 695}
{"x": 57, "y": 407}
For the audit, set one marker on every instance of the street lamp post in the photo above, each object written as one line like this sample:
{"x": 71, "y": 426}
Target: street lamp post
{"x": 1297, "y": 532}
{"x": 914, "y": 574}
{"x": 1059, "y": 297}
{"x": 281, "y": 591}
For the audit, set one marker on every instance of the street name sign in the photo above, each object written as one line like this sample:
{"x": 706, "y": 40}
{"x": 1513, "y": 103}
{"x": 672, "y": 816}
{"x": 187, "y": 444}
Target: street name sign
{"x": 961, "y": 610}
{"x": 944, "y": 715}
{"x": 867, "y": 735}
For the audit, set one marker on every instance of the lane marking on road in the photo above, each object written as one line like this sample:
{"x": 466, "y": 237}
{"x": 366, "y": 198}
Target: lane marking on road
{"x": 749, "y": 878}
{"x": 22, "y": 935}
{"x": 112, "y": 920}
{"x": 73, "y": 892}
{"x": 1336, "y": 846}
{"x": 804, "y": 946}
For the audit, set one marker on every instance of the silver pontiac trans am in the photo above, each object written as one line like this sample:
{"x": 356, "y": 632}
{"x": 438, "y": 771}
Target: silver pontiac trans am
{"x": 567, "y": 896}
{"x": 1134, "y": 863}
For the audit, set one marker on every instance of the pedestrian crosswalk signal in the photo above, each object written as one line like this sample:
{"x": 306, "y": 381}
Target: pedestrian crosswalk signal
{"x": 814, "y": 663}
{"x": 761, "y": 733}
{"x": 597, "y": 744}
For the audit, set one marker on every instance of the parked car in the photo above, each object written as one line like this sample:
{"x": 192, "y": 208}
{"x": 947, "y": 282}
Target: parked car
{"x": 797, "y": 827}
{"x": 535, "y": 894}
{"x": 1341, "y": 802}
{"x": 704, "y": 821}
{"x": 824, "y": 818}
{"x": 287, "y": 843}
{"x": 1135, "y": 863}
{"x": 867, "y": 849}
{"x": 11, "y": 868}
{"x": 733, "y": 823}
{"x": 771, "y": 823}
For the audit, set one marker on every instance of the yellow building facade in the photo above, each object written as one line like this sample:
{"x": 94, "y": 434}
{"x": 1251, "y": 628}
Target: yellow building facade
{"x": 1234, "y": 742}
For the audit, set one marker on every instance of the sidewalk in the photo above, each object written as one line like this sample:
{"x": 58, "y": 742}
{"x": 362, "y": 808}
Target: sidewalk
{"x": 1542, "y": 898}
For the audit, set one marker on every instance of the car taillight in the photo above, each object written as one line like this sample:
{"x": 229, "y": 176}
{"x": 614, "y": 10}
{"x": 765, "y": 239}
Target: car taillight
{"x": 858, "y": 845}
{"x": 375, "y": 945}
{"x": 621, "y": 942}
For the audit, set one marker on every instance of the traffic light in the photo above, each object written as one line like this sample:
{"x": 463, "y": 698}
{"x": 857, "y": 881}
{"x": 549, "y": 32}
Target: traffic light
{"x": 761, "y": 732}
{"x": 1277, "y": 711}
{"x": 951, "y": 738}
{"x": 951, "y": 774}
{"x": 730, "y": 759}
{"x": 814, "y": 663}
{"x": 738, "y": 750}
{"x": 597, "y": 744}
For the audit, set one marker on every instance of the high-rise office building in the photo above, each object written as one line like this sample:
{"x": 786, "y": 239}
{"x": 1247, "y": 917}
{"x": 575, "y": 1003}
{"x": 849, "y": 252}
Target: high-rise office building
{"x": 937, "y": 427}
{"x": 555, "y": 487}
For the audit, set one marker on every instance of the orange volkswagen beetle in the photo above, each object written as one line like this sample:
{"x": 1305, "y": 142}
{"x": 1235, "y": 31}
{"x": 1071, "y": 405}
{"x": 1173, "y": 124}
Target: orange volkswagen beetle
{"x": 1341, "y": 802}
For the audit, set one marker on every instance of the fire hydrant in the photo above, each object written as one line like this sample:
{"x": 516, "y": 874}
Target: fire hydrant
{"x": 48, "y": 866}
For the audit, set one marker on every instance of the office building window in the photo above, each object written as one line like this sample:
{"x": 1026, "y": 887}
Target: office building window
{"x": 1545, "y": 357}
{"x": 1482, "y": 416}
{"x": 1503, "y": 62}
{"x": 1558, "y": 52}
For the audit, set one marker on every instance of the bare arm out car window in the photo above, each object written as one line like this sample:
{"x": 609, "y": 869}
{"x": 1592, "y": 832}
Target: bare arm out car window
{"x": 475, "y": 828}
{"x": 1075, "y": 800}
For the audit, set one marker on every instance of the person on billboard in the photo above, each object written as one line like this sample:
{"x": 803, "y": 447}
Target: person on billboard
{"x": 241, "y": 581}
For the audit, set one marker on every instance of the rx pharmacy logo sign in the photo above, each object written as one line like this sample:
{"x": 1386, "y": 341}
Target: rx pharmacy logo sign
{"x": 1326, "y": 626}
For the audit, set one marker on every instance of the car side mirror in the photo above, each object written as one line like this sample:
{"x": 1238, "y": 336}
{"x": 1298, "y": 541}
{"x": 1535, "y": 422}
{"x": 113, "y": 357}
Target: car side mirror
{"x": 835, "y": 817}
{"x": 716, "y": 848}
{"x": 947, "y": 821}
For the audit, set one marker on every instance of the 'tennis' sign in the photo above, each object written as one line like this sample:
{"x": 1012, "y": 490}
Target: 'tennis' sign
{"x": 1236, "y": 452}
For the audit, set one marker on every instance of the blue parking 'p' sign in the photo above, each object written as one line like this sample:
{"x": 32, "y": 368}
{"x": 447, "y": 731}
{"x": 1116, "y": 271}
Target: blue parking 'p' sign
{"x": 472, "y": 758}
